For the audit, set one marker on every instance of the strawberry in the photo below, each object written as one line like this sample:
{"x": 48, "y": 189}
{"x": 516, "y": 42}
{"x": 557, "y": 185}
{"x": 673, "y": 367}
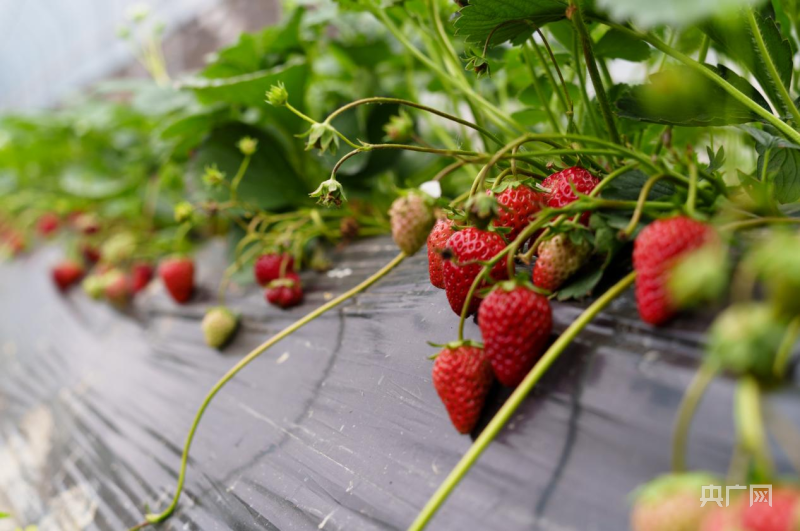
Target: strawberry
{"x": 117, "y": 287}
{"x": 783, "y": 515}
{"x": 67, "y": 273}
{"x": 463, "y": 247}
{"x": 85, "y": 223}
{"x": 559, "y": 188}
{"x": 219, "y": 325}
{"x": 12, "y": 242}
{"x": 141, "y": 275}
{"x": 462, "y": 376}
{"x": 285, "y": 292}
{"x": 515, "y": 323}
{"x": 411, "y": 218}
{"x": 518, "y": 203}
{"x": 48, "y": 223}
{"x": 672, "y": 503}
{"x": 655, "y": 251}
{"x": 437, "y": 240}
{"x": 559, "y": 258}
{"x": 90, "y": 253}
{"x": 177, "y": 273}
{"x": 272, "y": 266}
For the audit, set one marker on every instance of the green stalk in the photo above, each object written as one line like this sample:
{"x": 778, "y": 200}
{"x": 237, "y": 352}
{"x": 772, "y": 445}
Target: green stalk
{"x": 514, "y": 401}
{"x": 239, "y": 176}
{"x": 561, "y": 94}
{"x": 594, "y": 74}
{"x": 496, "y": 115}
{"x": 587, "y": 103}
{"x": 750, "y": 425}
{"x": 701, "y": 57}
{"x": 155, "y": 518}
{"x": 773, "y": 70}
{"x": 397, "y": 101}
{"x": 539, "y": 92}
{"x": 757, "y": 109}
{"x": 691, "y": 198}
{"x": 683, "y": 421}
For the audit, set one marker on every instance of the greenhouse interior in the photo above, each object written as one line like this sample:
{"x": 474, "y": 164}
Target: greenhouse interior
{"x": 362, "y": 265}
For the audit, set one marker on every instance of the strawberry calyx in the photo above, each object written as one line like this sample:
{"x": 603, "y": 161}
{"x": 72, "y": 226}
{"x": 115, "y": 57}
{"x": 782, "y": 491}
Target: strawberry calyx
{"x": 453, "y": 345}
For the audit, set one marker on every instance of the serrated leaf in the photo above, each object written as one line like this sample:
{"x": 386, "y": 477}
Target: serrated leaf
{"x": 735, "y": 39}
{"x": 510, "y": 20}
{"x": 680, "y": 96}
{"x": 249, "y": 89}
{"x": 618, "y": 45}
{"x": 715, "y": 161}
{"x": 670, "y": 12}
{"x": 581, "y": 286}
{"x": 784, "y": 170}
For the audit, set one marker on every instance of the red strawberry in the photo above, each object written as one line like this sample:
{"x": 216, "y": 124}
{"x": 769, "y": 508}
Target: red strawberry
{"x": 91, "y": 254}
{"x": 268, "y": 267}
{"x": 515, "y": 323}
{"x": 560, "y": 185}
{"x": 517, "y": 204}
{"x": 559, "y": 258}
{"x": 654, "y": 253}
{"x": 783, "y": 515}
{"x": 117, "y": 287}
{"x": 178, "y": 277}
{"x": 437, "y": 240}
{"x": 67, "y": 273}
{"x": 141, "y": 275}
{"x": 285, "y": 292}
{"x": 85, "y": 223}
{"x": 470, "y": 245}
{"x": 672, "y": 503}
{"x": 462, "y": 377}
{"x": 48, "y": 223}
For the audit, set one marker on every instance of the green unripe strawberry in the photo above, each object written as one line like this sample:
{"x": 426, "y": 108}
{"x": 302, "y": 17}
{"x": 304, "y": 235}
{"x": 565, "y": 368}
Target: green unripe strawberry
{"x": 559, "y": 258}
{"x": 219, "y": 325}
{"x": 411, "y": 219}
{"x": 118, "y": 248}
{"x": 672, "y": 503}
{"x": 94, "y": 285}
{"x": 745, "y": 338}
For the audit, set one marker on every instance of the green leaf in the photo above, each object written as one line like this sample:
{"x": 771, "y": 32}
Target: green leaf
{"x": 249, "y": 89}
{"x": 670, "y": 12}
{"x": 510, "y": 20}
{"x": 783, "y": 168}
{"x": 627, "y": 187}
{"x": 715, "y": 161}
{"x": 581, "y": 286}
{"x": 618, "y": 45}
{"x": 680, "y": 96}
{"x": 735, "y": 39}
{"x": 271, "y": 182}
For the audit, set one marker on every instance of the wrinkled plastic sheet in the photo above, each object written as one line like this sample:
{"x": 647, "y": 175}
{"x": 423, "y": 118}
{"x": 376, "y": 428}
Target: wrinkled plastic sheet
{"x": 337, "y": 426}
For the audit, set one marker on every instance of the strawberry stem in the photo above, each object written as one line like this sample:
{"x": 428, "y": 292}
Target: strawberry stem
{"x": 155, "y": 518}
{"x": 509, "y": 408}
{"x": 750, "y": 425}
{"x": 683, "y": 420}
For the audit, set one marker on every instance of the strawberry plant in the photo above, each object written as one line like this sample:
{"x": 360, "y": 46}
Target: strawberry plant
{"x": 534, "y": 175}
